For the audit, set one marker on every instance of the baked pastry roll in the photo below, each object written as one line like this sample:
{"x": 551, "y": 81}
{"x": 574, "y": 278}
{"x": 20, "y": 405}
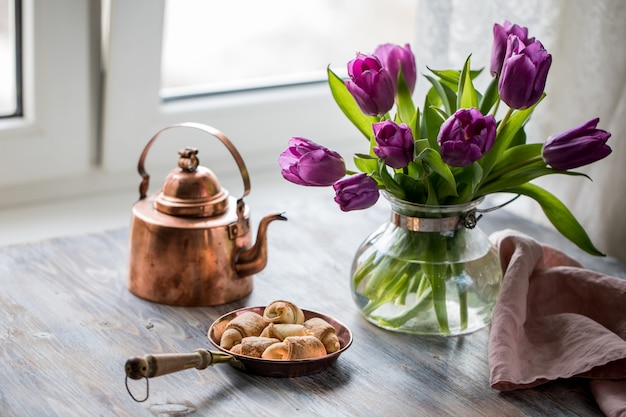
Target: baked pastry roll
{"x": 244, "y": 325}
{"x": 283, "y": 312}
{"x": 325, "y": 332}
{"x": 283, "y": 330}
{"x": 253, "y": 345}
{"x": 295, "y": 347}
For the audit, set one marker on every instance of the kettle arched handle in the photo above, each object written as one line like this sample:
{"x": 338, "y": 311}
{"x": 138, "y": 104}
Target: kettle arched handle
{"x": 145, "y": 182}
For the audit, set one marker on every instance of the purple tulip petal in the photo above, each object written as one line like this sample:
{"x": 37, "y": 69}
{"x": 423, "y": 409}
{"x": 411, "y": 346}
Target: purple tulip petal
{"x": 577, "y": 147}
{"x": 466, "y": 136}
{"x": 304, "y": 162}
{"x": 356, "y": 192}
{"x": 371, "y": 85}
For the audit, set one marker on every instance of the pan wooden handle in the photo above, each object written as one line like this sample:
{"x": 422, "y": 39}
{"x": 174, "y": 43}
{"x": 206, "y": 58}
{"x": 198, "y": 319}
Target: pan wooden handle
{"x": 150, "y": 366}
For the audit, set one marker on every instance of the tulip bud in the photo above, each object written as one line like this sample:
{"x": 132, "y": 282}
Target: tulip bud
{"x": 466, "y": 136}
{"x": 524, "y": 73}
{"x": 305, "y": 162}
{"x": 356, "y": 192}
{"x": 395, "y": 58}
{"x": 576, "y": 147}
{"x": 371, "y": 85}
{"x": 500, "y": 36}
{"x": 395, "y": 143}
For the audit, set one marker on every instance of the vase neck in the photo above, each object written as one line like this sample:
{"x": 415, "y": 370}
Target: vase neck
{"x": 424, "y": 218}
{"x": 417, "y": 224}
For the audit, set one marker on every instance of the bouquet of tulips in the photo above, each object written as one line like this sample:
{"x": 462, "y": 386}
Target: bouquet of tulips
{"x": 453, "y": 150}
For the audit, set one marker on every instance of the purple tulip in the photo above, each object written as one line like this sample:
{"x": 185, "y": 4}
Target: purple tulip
{"x": 305, "y": 162}
{"x": 356, "y": 192}
{"x": 466, "y": 136}
{"x": 576, "y": 147}
{"x": 500, "y": 36}
{"x": 395, "y": 57}
{"x": 524, "y": 73}
{"x": 371, "y": 85}
{"x": 395, "y": 143}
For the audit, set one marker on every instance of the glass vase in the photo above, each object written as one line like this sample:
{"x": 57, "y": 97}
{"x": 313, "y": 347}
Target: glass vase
{"x": 428, "y": 270}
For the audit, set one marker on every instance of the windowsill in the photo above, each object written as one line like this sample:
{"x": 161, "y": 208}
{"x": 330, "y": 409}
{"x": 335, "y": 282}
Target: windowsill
{"x": 112, "y": 209}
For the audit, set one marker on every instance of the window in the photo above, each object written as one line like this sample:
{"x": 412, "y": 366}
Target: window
{"x": 247, "y": 44}
{"x": 258, "y": 121}
{"x": 49, "y": 144}
{"x": 94, "y": 94}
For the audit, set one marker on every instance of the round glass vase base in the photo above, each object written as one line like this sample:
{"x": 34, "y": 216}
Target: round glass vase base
{"x": 428, "y": 271}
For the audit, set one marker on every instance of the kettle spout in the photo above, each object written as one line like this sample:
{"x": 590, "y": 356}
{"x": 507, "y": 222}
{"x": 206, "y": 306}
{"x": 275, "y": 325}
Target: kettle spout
{"x": 252, "y": 260}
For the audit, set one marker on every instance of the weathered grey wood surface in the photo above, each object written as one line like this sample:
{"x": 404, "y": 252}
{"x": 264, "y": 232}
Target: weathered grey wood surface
{"x": 68, "y": 324}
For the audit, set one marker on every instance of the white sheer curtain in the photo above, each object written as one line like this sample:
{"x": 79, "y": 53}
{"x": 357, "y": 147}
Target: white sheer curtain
{"x": 587, "y": 79}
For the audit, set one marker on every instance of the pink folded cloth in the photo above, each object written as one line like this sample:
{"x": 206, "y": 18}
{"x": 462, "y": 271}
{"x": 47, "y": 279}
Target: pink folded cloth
{"x": 554, "y": 319}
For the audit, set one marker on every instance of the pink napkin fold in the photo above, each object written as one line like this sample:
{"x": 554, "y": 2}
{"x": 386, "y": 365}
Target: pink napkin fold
{"x": 555, "y": 319}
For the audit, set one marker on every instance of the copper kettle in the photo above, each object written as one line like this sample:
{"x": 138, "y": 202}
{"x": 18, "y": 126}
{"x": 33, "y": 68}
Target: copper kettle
{"x": 190, "y": 243}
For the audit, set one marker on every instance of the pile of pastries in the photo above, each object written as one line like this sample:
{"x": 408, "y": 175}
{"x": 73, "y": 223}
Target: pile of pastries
{"x": 281, "y": 333}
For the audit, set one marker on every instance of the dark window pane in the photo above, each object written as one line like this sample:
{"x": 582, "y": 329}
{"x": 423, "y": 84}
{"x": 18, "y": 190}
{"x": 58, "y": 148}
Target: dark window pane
{"x": 10, "y": 56}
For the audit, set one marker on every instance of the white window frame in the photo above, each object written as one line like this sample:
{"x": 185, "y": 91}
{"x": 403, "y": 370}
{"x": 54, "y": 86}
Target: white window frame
{"x": 259, "y": 122}
{"x": 55, "y": 139}
{"x": 92, "y": 106}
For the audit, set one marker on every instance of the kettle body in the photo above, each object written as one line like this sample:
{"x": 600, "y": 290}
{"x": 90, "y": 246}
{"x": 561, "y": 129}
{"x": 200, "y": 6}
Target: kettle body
{"x": 191, "y": 243}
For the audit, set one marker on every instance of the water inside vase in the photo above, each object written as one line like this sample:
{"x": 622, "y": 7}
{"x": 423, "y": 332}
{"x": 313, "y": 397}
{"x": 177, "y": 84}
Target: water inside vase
{"x": 397, "y": 293}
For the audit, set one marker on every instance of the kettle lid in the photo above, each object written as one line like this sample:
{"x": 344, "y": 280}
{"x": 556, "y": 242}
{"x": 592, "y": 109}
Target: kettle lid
{"x": 191, "y": 190}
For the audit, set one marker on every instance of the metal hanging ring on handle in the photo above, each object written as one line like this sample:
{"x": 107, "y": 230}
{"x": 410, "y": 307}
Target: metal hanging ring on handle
{"x": 145, "y": 182}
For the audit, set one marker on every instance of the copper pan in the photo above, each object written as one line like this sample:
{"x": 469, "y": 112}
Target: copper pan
{"x": 150, "y": 366}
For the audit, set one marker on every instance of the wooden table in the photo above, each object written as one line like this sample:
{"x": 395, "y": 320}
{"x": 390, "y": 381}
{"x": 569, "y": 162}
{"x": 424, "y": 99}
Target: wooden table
{"x": 68, "y": 324}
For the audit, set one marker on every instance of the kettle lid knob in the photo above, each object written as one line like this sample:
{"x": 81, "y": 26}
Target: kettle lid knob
{"x": 191, "y": 190}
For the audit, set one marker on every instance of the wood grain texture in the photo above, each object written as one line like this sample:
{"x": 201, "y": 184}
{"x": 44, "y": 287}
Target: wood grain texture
{"x": 68, "y": 324}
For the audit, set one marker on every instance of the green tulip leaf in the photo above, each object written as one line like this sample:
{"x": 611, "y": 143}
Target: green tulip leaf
{"x": 431, "y": 123}
{"x": 445, "y": 94}
{"x": 507, "y": 130}
{"x": 416, "y": 170}
{"x": 518, "y": 156}
{"x": 414, "y": 124}
{"x": 420, "y": 145}
{"x": 515, "y": 178}
{"x": 491, "y": 97}
{"x": 390, "y": 184}
{"x": 451, "y": 77}
{"x": 477, "y": 172}
{"x": 433, "y": 160}
{"x": 468, "y": 179}
{"x": 365, "y": 163}
{"x": 466, "y": 96}
{"x": 519, "y": 138}
{"x": 432, "y": 199}
{"x": 348, "y": 105}
{"x": 405, "y": 106}
{"x": 412, "y": 186}
{"x": 559, "y": 215}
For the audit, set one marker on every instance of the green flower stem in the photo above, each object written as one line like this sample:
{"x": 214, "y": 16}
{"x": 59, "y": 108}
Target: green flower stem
{"x": 437, "y": 274}
{"x": 504, "y": 121}
{"x": 413, "y": 276}
{"x": 423, "y": 303}
{"x": 437, "y": 277}
{"x": 364, "y": 269}
{"x": 457, "y": 270}
{"x": 382, "y": 276}
{"x": 424, "y": 285}
{"x": 393, "y": 284}
{"x": 495, "y": 108}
